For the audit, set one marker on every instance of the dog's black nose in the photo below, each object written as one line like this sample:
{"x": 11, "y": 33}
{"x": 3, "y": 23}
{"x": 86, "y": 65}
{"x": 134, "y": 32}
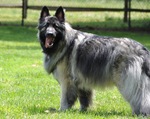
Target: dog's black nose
{"x": 50, "y": 32}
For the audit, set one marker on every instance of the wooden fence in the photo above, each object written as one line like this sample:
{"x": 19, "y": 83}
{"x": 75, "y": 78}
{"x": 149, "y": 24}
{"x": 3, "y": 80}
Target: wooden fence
{"x": 127, "y": 10}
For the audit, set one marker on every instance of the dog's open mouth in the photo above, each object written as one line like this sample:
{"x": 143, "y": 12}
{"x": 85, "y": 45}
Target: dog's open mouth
{"x": 49, "y": 42}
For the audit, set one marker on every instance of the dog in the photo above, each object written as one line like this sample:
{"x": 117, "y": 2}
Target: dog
{"x": 81, "y": 61}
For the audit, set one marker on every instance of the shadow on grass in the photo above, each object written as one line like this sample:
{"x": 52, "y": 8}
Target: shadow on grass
{"x": 24, "y": 47}
{"x": 29, "y": 34}
{"x": 114, "y": 25}
{"x": 107, "y": 113}
{"x": 111, "y": 24}
{"x": 34, "y": 110}
{"x": 18, "y": 34}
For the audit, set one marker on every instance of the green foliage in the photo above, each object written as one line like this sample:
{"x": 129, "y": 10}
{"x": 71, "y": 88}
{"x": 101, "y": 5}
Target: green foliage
{"x": 26, "y": 91}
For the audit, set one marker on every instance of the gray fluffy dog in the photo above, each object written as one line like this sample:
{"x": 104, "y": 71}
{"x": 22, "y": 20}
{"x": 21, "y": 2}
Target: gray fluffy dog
{"x": 81, "y": 61}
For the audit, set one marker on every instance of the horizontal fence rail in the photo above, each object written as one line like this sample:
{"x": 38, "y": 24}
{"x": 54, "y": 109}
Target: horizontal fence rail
{"x": 81, "y": 9}
{"x": 10, "y": 6}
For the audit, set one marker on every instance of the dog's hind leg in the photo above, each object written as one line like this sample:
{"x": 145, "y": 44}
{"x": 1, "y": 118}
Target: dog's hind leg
{"x": 85, "y": 98}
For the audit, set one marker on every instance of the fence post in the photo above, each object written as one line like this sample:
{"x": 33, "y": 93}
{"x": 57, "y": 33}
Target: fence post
{"x": 24, "y": 10}
{"x": 125, "y": 10}
{"x": 129, "y": 18}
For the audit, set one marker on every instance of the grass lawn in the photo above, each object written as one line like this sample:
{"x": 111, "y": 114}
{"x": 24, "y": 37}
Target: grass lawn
{"x": 26, "y": 91}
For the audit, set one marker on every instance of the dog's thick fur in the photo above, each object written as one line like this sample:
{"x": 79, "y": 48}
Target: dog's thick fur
{"x": 81, "y": 61}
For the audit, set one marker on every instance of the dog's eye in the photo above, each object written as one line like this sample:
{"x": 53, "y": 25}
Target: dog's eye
{"x": 47, "y": 24}
{"x": 55, "y": 25}
{"x": 43, "y": 29}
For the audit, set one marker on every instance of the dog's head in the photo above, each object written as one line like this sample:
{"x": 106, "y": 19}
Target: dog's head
{"x": 51, "y": 28}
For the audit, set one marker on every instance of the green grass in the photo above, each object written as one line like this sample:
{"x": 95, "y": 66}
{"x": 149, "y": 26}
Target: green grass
{"x": 26, "y": 91}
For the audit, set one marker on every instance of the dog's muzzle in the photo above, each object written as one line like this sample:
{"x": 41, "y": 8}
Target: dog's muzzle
{"x": 50, "y": 37}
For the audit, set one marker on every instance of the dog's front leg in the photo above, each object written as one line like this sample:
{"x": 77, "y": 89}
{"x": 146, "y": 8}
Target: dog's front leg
{"x": 63, "y": 102}
{"x": 68, "y": 95}
{"x": 85, "y": 98}
{"x": 68, "y": 88}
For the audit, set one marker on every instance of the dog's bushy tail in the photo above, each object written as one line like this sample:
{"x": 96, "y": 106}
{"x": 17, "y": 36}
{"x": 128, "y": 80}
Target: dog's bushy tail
{"x": 135, "y": 84}
{"x": 145, "y": 82}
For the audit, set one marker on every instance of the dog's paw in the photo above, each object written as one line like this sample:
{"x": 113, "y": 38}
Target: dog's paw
{"x": 83, "y": 109}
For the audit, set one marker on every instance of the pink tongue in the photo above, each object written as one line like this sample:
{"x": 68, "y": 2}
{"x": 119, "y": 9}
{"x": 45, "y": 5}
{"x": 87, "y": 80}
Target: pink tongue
{"x": 48, "y": 42}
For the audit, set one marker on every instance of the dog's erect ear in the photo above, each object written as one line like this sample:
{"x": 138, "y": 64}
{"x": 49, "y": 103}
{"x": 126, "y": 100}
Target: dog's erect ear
{"x": 44, "y": 12}
{"x": 60, "y": 14}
